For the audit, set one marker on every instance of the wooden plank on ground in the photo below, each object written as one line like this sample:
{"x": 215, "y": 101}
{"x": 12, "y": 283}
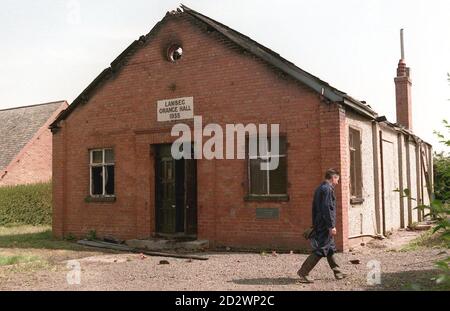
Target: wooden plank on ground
{"x": 123, "y": 248}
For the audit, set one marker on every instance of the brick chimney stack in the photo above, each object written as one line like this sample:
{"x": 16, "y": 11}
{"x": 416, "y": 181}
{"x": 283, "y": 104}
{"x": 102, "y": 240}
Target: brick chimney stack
{"x": 403, "y": 90}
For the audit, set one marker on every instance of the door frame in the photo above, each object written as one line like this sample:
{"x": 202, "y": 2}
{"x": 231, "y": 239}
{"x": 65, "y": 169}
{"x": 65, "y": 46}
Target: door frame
{"x": 156, "y": 215}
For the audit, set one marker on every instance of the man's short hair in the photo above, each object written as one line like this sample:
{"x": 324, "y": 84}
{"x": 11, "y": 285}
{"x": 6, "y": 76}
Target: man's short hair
{"x": 330, "y": 173}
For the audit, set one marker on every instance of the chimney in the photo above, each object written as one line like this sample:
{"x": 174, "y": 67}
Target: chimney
{"x": 403, "y": 90}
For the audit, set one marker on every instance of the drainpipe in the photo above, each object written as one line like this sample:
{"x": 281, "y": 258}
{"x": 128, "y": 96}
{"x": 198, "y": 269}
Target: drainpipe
{"x": 376, "y": 174}
{"x": 408, "y": 179}
{"x": 400, "y": 179}
{"x": 383, "y": 207}
{"x": 419, "y": 181}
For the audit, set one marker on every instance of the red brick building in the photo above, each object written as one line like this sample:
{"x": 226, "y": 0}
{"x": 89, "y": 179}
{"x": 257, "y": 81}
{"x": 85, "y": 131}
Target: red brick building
{"x": 26, "y": 143}
{"x": 113, "y": 171}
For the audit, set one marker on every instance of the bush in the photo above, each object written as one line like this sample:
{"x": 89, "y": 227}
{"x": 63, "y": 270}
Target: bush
{"x": 442, "y": 177}
{"x": 92, "y": 235}
{"x": 26, "y": 205}
{"x": 442, "y": 168}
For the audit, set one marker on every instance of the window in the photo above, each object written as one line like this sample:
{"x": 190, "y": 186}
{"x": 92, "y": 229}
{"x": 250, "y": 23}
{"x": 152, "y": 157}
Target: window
{"x": 270, "y": 183}
{"x": 354, "y": 138}
{"x": 102, "y": 173}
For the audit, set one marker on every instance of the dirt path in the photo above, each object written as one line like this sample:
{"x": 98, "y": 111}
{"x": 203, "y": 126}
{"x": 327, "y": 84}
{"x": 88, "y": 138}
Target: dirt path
{"x": 240, "y": 271}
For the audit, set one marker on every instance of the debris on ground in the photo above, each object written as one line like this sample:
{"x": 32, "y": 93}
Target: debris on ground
{"x": 222, "y": 272}
{"x": 112, "y": 239}
{"x": 355, "y": 261}
{"x": 124, "y": 248}
{"x": 164, "y": 262}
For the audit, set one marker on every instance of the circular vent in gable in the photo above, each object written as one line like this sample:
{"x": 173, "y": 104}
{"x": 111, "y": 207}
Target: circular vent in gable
{"x": 175, "y": 53}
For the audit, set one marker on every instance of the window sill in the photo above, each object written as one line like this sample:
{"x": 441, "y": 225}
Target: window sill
{"x": 267, "y": 198}
{"x": 356, "y": 201}
{"x": 90, "y": 199}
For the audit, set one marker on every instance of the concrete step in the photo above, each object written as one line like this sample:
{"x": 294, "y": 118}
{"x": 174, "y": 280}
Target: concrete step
{"x": 163, "y": 244}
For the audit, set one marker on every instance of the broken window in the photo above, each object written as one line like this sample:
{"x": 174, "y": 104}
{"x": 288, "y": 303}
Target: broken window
{"x": 174, "y": 53}
{"x": 268, "y": 182}
{"x": 102, "y": 172}
{"x": 354, "y": 138}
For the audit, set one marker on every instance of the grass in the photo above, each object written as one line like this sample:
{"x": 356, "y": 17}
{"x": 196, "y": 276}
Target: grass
{"x": 27, "y": 249}
{"x": 39, "y": 237}
{"x": 17, "y": 259}
{"x": 426, "y": 240}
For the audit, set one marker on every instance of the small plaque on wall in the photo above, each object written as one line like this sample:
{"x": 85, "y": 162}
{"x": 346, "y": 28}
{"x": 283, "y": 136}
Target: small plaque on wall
{"x": 267, "y": 213}
{"x": 175, "y": 109}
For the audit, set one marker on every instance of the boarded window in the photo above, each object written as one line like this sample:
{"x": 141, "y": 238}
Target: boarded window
{"x": 268, "y": 182}
{"x": 102, "y": 173}
{"x": 355, "y": 163}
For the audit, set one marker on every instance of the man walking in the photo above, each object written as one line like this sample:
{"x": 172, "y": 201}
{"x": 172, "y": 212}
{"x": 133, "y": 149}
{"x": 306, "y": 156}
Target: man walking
{"x": 324, "y": 224}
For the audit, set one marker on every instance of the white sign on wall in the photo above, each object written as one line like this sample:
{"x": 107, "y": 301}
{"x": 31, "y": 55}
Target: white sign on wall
{"x": 175, "y": 109}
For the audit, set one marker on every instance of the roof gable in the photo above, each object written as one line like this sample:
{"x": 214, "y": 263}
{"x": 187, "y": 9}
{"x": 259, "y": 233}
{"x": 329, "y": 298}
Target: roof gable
{"x": 19, "y": 125}
{"x": 269, "y": 56}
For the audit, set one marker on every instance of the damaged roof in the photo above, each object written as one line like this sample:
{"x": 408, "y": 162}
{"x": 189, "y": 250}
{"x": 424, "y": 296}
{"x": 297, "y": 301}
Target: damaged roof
{"x": 19, "y": 125}
{"x": 269, "y": 56}
{"x": 284, "y": 65}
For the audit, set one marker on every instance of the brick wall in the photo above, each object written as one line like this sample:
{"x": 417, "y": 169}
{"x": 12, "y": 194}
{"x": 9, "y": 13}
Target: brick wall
{"x": 229, "y": 86}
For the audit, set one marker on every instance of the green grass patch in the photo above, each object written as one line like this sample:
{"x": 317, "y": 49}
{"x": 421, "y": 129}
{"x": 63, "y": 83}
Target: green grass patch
{"x": 26, "y": 205}
{"x": 39, "y": 237}
{"x": 427, "y": 240}
{"x": 18, "y": 259}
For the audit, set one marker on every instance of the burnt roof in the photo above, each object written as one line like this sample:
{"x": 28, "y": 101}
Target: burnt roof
{"x": 326, "y": 90}
{"x": 19, "y": 125}
{"x": 272, "y": 58}
{"x": 276, "y": 60}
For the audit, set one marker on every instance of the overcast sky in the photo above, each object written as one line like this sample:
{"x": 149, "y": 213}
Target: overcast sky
{"x": 52, "y": 49}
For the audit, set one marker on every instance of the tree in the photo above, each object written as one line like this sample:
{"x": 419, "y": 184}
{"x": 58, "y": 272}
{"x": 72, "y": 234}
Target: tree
{"x": 439, "y": 208}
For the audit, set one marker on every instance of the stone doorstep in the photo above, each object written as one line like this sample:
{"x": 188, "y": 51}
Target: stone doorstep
{"x": 161, "y": 244}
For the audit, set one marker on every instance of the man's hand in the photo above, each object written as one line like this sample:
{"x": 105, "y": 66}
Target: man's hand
{"x": 333, "y": 232}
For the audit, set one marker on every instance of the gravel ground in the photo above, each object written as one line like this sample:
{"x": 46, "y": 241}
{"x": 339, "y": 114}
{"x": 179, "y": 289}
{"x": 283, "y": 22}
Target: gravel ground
{"x": 238, "y": 271}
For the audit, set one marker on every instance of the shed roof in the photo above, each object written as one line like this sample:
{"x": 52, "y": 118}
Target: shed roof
{"x": 19, "y": 125}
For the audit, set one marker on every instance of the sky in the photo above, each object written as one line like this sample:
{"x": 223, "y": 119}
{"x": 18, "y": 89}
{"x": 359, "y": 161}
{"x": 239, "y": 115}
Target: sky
{"x": 52, "y": 49}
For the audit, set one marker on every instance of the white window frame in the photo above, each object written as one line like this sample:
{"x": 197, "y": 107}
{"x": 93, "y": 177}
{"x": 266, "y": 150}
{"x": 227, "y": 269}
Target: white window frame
{"x": 103, "y": 165}
{"x": 264, "y": 158}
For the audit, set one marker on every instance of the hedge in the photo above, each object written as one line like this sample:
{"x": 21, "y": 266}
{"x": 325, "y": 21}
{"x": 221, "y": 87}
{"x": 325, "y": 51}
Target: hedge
{"x": 26, "y": 205}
